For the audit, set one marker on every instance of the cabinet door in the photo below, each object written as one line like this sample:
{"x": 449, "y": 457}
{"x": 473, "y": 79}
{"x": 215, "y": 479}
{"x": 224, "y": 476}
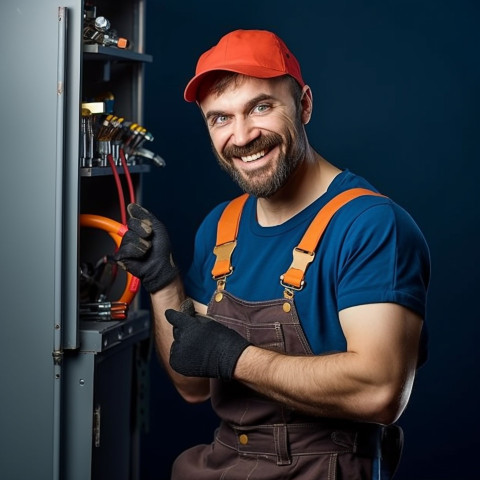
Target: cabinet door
{"x": 40, "y": 52}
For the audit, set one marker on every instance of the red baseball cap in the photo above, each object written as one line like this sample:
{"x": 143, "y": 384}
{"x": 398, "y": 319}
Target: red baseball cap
{"x": 256, "y": 53}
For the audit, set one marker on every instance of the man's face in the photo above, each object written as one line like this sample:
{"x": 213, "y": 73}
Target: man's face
{"x": 256, "y": 133}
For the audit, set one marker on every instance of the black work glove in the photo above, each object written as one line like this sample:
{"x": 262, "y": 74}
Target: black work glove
{"x": 203, "y": 347}
{"x": 145, "y": 250}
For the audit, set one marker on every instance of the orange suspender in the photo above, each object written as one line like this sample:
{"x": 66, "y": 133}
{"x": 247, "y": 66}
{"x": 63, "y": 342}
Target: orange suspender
{"x": 227, "y": 237}
{"x": 303, "y": 253}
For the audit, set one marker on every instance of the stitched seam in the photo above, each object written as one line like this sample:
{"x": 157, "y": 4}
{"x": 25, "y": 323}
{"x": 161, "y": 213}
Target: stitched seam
{"x": 332, "y": 470}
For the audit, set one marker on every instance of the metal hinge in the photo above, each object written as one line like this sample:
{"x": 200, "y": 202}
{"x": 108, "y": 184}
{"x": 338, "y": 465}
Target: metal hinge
{"x": 57, "y": 357}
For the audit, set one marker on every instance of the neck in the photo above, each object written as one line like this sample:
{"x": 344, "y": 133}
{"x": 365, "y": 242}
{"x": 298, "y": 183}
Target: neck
{"x": 309, "y": 182}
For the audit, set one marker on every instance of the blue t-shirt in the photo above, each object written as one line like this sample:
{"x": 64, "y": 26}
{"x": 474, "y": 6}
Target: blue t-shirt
{"x": 371, "y": 252}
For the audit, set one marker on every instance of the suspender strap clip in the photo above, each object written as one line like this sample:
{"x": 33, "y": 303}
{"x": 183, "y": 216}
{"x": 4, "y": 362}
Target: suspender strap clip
{"x": 223, "y": 267}
{"x": 293, "y": 278}
{"x": 304, "y": 252}
{"x": 227, "y": 231}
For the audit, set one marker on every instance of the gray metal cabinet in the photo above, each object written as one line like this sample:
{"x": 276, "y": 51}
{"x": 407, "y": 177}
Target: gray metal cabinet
{"x": 103, "y": 400}
{"x": 65, "y": 395}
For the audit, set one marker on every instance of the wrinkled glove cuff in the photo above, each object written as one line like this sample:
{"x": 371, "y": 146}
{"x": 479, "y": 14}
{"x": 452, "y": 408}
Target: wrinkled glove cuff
{"x": 229, "y": 358}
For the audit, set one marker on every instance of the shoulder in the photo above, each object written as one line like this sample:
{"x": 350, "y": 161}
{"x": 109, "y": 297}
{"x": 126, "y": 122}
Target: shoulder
{"x": 375, "y": 229}
{"x": 378, "y": 227}
{"x": 372, "y": 213}
{"x": 208, "y": 227}
{"x": 381, "y": 216}
{"x": 382, "y": 256}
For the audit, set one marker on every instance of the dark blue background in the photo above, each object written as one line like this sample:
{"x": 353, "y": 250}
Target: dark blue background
{"x": 396, "y": 99}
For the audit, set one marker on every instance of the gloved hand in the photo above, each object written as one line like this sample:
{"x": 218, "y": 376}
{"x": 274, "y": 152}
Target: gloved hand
{"x": 203, "y": 347}
{"x": 145, "y": 250}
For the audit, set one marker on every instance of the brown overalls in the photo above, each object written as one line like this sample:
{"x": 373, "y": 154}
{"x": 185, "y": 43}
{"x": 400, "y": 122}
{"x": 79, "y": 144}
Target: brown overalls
{"x": 260, "y": 439}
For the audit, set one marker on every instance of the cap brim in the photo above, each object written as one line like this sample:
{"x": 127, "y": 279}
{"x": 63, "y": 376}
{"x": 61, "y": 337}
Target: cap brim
{"x": 191, "y": 89}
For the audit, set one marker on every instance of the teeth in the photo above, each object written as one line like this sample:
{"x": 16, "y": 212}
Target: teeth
{"x": 256, "y": 156}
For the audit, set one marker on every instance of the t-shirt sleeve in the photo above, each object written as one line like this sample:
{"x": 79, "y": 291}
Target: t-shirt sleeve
{"x": 384, "y": 258}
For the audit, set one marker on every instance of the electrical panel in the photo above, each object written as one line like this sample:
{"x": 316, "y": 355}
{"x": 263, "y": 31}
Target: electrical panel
{"x": 75, "y": 335}
{"x": 114, "y": 150}
{"x": 107, "y": 371}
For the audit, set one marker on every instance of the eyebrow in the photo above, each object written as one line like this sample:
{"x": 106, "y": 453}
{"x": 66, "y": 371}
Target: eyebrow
{"x": 248, "y": 106}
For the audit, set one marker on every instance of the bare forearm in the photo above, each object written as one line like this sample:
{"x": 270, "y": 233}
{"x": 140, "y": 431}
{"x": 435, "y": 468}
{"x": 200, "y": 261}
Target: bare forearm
{"x": 172, "y": 296}
{"x": 371, "y": 381}
{"x": 335, "y": 386}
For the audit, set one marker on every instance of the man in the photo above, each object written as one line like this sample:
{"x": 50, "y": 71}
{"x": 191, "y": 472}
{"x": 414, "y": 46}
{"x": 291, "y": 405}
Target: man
{"x": 308, "y": 358}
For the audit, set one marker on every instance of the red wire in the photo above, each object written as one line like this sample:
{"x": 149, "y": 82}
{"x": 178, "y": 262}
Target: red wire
{"x": 127, "y": 176}
{"x": 121, "y": 197}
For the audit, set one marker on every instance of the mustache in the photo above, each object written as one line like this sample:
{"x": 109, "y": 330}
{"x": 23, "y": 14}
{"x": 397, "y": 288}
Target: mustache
{"x": 264, "y": 142}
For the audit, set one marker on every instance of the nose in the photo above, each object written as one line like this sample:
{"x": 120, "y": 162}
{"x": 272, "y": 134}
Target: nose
{"x": 244, "y": 131}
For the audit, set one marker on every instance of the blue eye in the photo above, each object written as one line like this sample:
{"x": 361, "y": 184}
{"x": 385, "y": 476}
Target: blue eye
{"x": 261, "y": 108}
{"x": 219, "y": 120}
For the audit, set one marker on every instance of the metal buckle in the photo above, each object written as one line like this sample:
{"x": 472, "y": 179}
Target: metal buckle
{"x": 223, "y": 253}
{"x": 301, "y": 260}
{"x": 287, "y": 286}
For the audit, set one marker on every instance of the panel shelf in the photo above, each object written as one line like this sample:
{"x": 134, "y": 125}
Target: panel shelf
{"x": 99, "y": 52}
{"x": 104, "y": 171}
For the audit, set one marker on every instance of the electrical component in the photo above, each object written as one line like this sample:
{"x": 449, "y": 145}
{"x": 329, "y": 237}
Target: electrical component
{"x": 116, "y": 231}
{"x": 104, "y": 135}
{"x": 94, "y": 107}
{"x": 98, "y": 30}
{"x": 103, "y": 311}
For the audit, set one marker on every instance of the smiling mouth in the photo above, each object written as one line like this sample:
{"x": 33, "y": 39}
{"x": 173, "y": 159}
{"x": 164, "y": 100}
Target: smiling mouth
{"x": 256, "y": 156}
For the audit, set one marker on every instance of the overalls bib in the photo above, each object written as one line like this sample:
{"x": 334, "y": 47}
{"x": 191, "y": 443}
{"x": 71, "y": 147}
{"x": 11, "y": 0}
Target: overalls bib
{"x": 258, "y": 438}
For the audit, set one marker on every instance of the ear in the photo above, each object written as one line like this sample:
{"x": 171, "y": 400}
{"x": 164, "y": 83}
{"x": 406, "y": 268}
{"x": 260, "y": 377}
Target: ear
{"x": 307, "y": 104}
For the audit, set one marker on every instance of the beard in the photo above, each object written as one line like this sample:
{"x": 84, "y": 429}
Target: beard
{"x": 265, "y": 181}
